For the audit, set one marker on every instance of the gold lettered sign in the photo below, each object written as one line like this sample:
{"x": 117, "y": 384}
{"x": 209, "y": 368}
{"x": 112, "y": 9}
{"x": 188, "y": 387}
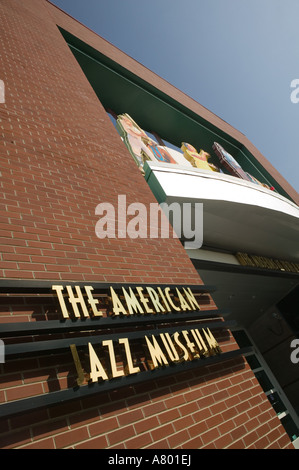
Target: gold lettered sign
{"x": 160, "y": 349}
{"x": 140, "y": 300}
{"x": 118, "y": 335}
{"x": 267, "y": 263}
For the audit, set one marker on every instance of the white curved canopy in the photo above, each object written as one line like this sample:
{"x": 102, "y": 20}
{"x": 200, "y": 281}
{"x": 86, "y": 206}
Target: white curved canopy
{"x": 237, "y": 215}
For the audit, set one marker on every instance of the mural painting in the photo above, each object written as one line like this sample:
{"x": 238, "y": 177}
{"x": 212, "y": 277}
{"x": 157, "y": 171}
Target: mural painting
{"x": 140, "y": 145}
{"x": 198, "y": 160}
{"x": 233, "y": 167}
{"x": 143, "y": 148}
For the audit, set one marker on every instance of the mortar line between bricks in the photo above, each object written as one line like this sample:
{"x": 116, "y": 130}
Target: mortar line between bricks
{"x": 42, "y": 382}
{"x": 254, "y": 429}
{"x": 213, "y": 427}
{"x": 156, "y": 401}
{"x": 264, "y": 435}
{"x": 222, "y": 378}
{"x": 37, "y": 442}
{"x": 228, "y": 432}
{"x": 137, "y": 434}
{"x": 276, "y": 440}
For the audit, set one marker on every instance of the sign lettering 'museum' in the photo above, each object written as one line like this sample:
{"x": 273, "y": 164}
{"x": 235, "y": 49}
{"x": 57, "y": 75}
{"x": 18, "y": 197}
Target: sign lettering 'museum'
{"x": 161, "y": 350}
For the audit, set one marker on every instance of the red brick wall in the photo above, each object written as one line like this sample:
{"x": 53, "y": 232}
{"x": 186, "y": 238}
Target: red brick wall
{"x": 61, "y": 156}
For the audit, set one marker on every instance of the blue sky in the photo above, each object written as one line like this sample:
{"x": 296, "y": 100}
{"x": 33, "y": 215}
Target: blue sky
{"x": 235, "y": 57}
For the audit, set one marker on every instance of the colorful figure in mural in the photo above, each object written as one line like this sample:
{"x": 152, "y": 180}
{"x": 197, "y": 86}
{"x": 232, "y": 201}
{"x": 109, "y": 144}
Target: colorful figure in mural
{"x": 230, "y": 163}
{"x": 135, "y": 139}
{"x": 256, "y": 181}
{"x": 161, "y": 154}
{"x": 234, "y": 168}
{"x": 178, "y": 156}
{"x": 140, "y": 145}
{"x": 198, "y": 160}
